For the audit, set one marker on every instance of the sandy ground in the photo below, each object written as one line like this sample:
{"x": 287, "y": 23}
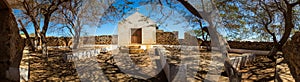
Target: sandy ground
{"x": 103, "y": 67}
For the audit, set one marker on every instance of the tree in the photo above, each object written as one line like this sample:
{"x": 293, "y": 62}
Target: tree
{"x": 78, "y": 13}
{"x": 37, "y": 11}
{"x": 263, "y": 17}
{"x": 210, "y": 14}
{"x": 12, "y": 45}
{"x": 286, "y": 10}
{"x": 28, "y": 38}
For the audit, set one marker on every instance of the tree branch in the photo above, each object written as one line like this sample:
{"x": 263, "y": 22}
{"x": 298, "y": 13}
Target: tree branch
{"x": 279, "y": 6}
{"x": 27, "y": 35}
{"x": 188, "y": 6}
{"x": 296, "y": 3}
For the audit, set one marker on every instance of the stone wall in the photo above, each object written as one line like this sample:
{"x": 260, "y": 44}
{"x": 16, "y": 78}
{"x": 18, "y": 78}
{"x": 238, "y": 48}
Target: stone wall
{"x": 248, "y": 45}
{"x": 251, "y": 45}
{"x": 58, "y": 41}
{"x": 291, "y": 51}
{"x": 167, "y": 38}
{"x": 163, "y": 38}
{"x": 190, "y": 40}
{"x": 67, "y": 41}
{"x": 105, "y": 39}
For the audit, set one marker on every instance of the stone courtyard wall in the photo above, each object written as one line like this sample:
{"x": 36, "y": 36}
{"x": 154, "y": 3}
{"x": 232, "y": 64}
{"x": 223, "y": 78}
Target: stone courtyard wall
{"x": 251, "y": 45}
{"x": 67, "y": 41}
{"x": 167, "y": 38}
{"x": 58, "y": 41}
{"x": 163, "y": 38}
{"x": 248, "y": 45}
{"x": 190, "y": 40}
{"x": 105, "y": 39}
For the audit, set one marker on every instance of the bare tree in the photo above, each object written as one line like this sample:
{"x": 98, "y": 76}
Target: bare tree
{"x": 78, "y": 13}
{"x": 286, "y": 9}
{"x": 210, "y": 15}
{"x": 35, "y": 10}
{"x": 28, "y": 38}
{"x": 266, "y": 14}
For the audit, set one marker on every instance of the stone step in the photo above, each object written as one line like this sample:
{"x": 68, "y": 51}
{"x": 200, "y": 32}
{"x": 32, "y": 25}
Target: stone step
{"x": 136, "y": 51}
{"x": 134, "y": 47}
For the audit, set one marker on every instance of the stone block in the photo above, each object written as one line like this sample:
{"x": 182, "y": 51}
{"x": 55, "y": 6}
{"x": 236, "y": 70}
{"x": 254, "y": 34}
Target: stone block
{"x": 136, "y": 51}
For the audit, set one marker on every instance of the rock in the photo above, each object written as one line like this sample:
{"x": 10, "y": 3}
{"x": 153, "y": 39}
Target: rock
{"x": 136, "y": 51}
{"x": 291, "y": 52}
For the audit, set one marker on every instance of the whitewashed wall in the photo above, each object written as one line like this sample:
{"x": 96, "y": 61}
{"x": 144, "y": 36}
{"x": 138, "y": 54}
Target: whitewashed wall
{"x": 136, "y": 20}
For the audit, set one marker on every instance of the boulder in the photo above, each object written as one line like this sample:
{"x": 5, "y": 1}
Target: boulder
{"x": 291, "y": 52}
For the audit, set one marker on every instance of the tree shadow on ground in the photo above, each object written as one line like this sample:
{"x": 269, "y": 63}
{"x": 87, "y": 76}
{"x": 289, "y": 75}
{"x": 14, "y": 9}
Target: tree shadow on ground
{"x": 51, "y": 68}
{"x": 114, "y": 73}
{"x": 261, "y": 70}
{"x": 57, "y": 68}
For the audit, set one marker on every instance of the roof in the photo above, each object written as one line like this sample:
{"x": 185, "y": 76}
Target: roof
{"x": 137, "y": 18}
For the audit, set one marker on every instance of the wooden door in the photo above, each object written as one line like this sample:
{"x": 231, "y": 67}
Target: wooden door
{"x": 136, "y": 36}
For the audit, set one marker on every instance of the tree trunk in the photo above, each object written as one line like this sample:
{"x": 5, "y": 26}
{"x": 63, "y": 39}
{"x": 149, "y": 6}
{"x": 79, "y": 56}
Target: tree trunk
{"x": 233, "y": 74}
{"x": 273, "y": 52}
{"x": 11, "y": 45}
{"x": 37, "y": 39}
{"x": 27, "y": 36}
{"x": 43, "y": 33}
{"x": 292, "y": 55}
{"x": 66, "y": 39}
{"x": 76, "y": 41}
{"x": 44, "y": 45}
{"x": 218, "y": 44}
{"x": 289, "y": 25}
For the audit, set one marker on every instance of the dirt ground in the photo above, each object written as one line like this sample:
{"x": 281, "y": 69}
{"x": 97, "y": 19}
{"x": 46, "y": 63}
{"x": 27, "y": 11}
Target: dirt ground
{"x": 103, "y": 67}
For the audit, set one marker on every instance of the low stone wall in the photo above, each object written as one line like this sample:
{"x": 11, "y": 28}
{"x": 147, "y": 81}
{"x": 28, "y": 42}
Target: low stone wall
{"x": 58, "y": 41}
{"x": 251, "y": 45}
{"x": 54, "y": 41}
{"x": 67, "y": 41}
{"x": 163, "y": 38}
{"x": 248, "y": 45}
{"x": 167, "y": 38}
{"x": 190, "y": 40}
{"x": 105, "y": 39}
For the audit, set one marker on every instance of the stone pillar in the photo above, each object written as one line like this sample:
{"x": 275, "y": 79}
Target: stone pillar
{"x": 175, "y": 34}
{"x": 190, "y": 39}
{"x": 11, "y": 45}
{"x": 291, "y": 52}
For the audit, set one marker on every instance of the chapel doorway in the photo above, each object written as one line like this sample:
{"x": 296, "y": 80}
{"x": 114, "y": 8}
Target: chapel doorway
{"x": 136, "y": 36}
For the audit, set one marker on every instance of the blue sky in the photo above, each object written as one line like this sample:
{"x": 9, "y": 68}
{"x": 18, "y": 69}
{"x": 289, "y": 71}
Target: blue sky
{"x": 175, "y": 22}
{"x": 171, "y": 23}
